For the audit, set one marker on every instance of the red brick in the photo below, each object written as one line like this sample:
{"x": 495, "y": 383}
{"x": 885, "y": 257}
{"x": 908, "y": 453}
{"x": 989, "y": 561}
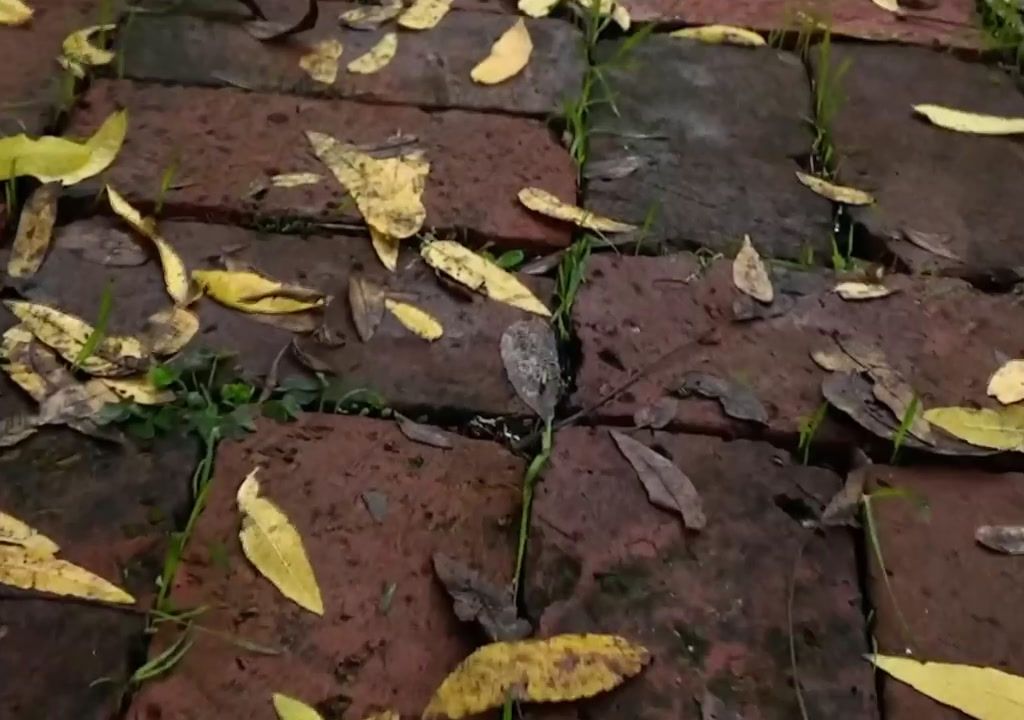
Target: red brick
{"x": 430, "y": 69}
{"x": 711, "y": 606}
{"x": 227, "y": 139}
{"x": 960, "y": 601}
{"x": 460, "y": 371}
{"x": 623, "y": 326}
{"x": 355, "y": 659}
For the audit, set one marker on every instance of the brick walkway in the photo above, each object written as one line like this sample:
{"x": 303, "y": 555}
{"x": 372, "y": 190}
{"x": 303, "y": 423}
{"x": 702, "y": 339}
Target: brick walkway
{"x": 712, "y": 135}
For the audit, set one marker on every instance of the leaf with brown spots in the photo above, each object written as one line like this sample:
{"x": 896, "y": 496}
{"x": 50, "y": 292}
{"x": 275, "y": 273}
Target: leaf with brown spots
{"x": 366, "y": 301}
{"x": 530, "y": 355}
{"x": 35, "y": 228}
{"x": 667, "y": 486}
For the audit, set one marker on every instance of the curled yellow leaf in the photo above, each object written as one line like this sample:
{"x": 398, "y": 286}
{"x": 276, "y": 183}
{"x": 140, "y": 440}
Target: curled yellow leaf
{"x": 968, "y": 122}
{"x": 35, "y": 229}
{"x": 321, "y": 62}
{"x": 414, "y": 319}
{"x": 1007, "y": 383}
{"x": 509, "y": 55}
{"x": 537, "y": 8}
{"x": 78, "y": 48}
{"x": 251, "y": 292}
{"x": 543, "y": 202}
{"x": 386, "y": 248}
{"x": 31, "y": 365}
{"x": 25, "y": 569}
{"x": 289, "y": 708}
{"x": 721, "y": 35}
{"x": 14, "y": 12}
{"x": 835, "y": 193}
{"x": 377, "y": 57}
{"x": 862, "y": 291}
{"x": 15, "y": 532}
{"x": 424, "y": 14}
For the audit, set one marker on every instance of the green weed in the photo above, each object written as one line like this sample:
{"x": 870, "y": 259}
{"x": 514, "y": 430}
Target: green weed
{"x": 842, "y": 258}
{"x": 571, "y": 273}
{"x": 900, "y": 436}
{"x": 508, "y": 260}
{"x": 828, "y": 98}
{"x": 1002, "y": 23}
{"x": 99, "y": 330}
{"x": 165, "y": 661}
{"x": 533, "y": 472}
{"x": 808, "y": 429}
{"x": 166, "y": 180}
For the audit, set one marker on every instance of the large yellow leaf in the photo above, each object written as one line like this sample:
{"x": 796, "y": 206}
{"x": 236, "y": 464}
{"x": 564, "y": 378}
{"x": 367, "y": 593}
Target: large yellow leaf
{"x": 14, "y": 532}
{"x": 537, "y": 8}
{"x": 1007, "y": 383}
{"x": 564, "y": 667}
{"x": 113, "y": 356}
{"x": 14, "y": 12}
{"x": 999, "y": 429}
{"x": 235, "y": 288}
{"x": 22, "y": 568}
{"x": 424, "y": 14}
{"x": 750, "y": 275}
{"x": 78, "y": 49}
{"x": 321, "y": 62}
{"x": 387, "y": 191}
{"x": 721, "y": 35}
{"x": 414, "y": 319}
{"x": 480, "y": 274}
{"x": 377, "y": 57}
{"x": 102, "y": 148}
{"x": 35, "y": 228}
{"x": 288, "y": 708}
{"x": 274, "y": 546}
{"x": 968, "y": 122}
{"x": 545, "y": 203}
{"x": 509, "y": 55}
{"x": 835, "y": 193}
{"x": 176, "y": 277}
{"x": 980, "y": 692}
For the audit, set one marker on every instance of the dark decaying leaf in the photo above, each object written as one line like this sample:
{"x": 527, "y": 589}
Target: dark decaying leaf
{"x": 299, "y": 322}
{"x": 666, "y": 485}
{"x": 102, "y": 246}
{"x": 746, "y": 308}
{"x": 1008, "y": 539}
{"x": 267, "y": 30}
{"x": 530, "y": 355}
{"x": 737, "y": 401}
{"x": 844, "y": 507}
{"x": 305, "y": 353}
{"x": 613, "y": 168}
{"x": 366, "y": 300}
{"x": 543, "y": 264}
{"x": 425, "y": 434}
{"x": 376, "y": 504}
{"x": 713, "y": 707}
{"x": 476, "y": 599}
{"x": 658, "y": 415}
{"x": 934, "y": 243}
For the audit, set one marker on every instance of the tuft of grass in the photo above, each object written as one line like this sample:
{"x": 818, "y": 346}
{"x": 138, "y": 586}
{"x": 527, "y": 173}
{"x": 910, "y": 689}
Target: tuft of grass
{"x": 828, "y": 99}
{"x": 808, "y": 429}
{"x": 900, "y": 436}
{"x": 99, "y": 330}
{"x": 165, "y": 661}
{"x": 533, "y": 472}
{"x": 166, "y": 180}
{"x": 842, "y": 258}
{"x": 571, "y": 273}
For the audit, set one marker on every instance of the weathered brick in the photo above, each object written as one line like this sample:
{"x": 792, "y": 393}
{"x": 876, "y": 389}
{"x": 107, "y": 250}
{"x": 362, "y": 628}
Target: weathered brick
{"x": 710, "y": 606}
{"x": 357, "y": 658}
{"x": 226, "y": 139}
{"x": 959, "y": 600}
{"x": 430, "y": 69}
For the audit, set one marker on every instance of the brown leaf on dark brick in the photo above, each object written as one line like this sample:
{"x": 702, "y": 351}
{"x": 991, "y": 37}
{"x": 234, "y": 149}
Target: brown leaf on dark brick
{"x": 476, "y": 599}
{"x": 844, "y": 507}
{"x": 658, "y": 415}
{"x": 543, "y": 264}
{"x": 713, "y": 707}
{"x": 1007, "y": 539}
{"x": 667, "y": 486}
{"x": 268, "y": 30}
{"x": 424, "y": 434}
{"x": 737, "y": 401}
{"x": 530, "y": 354}
{"x": 613, "y": 168}
{"x": 934, "y": 243}
{"x": 366, "y": 300}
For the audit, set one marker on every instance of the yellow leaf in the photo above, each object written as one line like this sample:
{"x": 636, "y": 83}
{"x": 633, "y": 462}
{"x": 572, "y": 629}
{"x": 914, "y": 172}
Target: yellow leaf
{"x": 231, "y": 288}
{"x": 288, "y": 708}
{"x": 139, "y": 390}
{"x": 980, "y": 692}
{"x": 101, "y": 148}
{"x": 1007, "y": 383}
{"x": 424, "y": 14}
{"x": 560, "y": 668}
{"x": 321, "y": 62}
{"x": 298, "y": 179}
{"x": 721, "y": 35}
{"x": 835, "y": 193}
{"x": 53, "y": 159}
{"x": 35, "y": 228}
{"x": 176, "y": 278}
{"x": 999, "y": 429}
{"x": 537, "y": 8}
{"x": 386, "y": 248}
{"x": 366, "y": 17}
{"x": 968, "y": 122}
{"x": 621, "y": 16}
{"x": 543, "y": 202}
{"x": 77, "y": 47}
{"x": 31, "y": 365}
{"x": 14, "y": 532}
{"x": 168, "y": 331}
{"x": 14, "y": 12}
{"x": 75, "y": 68}
{"x": 414, "y": 319}
{"x": 67, "y": 334}
{"x": 750, "y": 275}
{"x": 274, "y": 546}
{"x": 890, "y": 5}
{"x": 862, "y": 291}
{"x": 386, "y": 715}
{"x": 23, "y": 569}
{"x": 377, "y": 57}
{"x": 480, "y": 274}
{"x": 508, "y": 57}
{"x": 387, "y": 191}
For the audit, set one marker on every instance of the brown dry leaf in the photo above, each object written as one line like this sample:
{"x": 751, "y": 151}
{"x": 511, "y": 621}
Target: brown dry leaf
{"x": 658, "y": 415}
{"x": 35, "y": 229}
{"x": 509, "y": 55}
{"x": 833, "y": 192}
{"x": 370, "y": 17}
{"x": 366, "y": 300}
{"x": 386, "y": 247}
{"x": 16, "y": 428}
{"x": 557, "y": 669}
{"x": 750, "y": 275}
{"x": 414, "y": 319}
{"x": 14, "y": 12}
{"x": 168, "y": 331}
{"x": 543, "y": 202}
{"x": 529, "y": 353}
{"x": 862, "y": 291}
{"x": 666, "y": 485}
{"x": 22, "y": 568}
{"x": 476, "y": 599}
{"x": 321, "y": 62}
{"x": 377, "y": 57}
{"x": 934, "y": 243}
{"x": 31, "y": 365}
{"x": 1007, "y": 539}
{"x": 1007, "y": 383}
{"x": 843, "y": 508}
{"x": 267, "y": 30}
{"x": 737, "y": 400}
{"x": 424, "y": 14}
{"x": 424, "y": 434}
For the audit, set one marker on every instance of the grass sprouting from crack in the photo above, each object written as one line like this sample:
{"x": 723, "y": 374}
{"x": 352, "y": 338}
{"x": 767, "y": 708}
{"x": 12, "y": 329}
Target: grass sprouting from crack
{"x": 165, "y": 661}
{"x": 166, "y": 180}
{"x": 533, "y": 471}
{"x": 99, "y": 330}
{"x": 571, "y": 273}
{"x": 900, "y": 436}
{"x": 827, "y": 88}
{"x": 808, "y": 429}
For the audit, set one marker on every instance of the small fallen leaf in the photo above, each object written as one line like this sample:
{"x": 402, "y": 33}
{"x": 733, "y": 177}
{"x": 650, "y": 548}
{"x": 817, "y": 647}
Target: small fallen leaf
{"x": 168, "y": 331}
{"x": 424, "y": 14}
{"x": 890, "y": 5}
{"x": 529, "y": 353}
{"x": 1007, "y": 539}
{"x": 557, "y": 669}
{"x": 267, "y": 30}
{"x": 288, "y": 708}
{"x": 232, "y": 287}
{"x": 934, "y": 243}
{"x": 667, "y": 486}
{"x": 386, "y": 247}
{"x": 366, "y": 301}
{"x": 721, "y": 35}
{"x": 980, "y": 692}
{"x": 509, "y": 55}
{"x": 543, "y": 202}
{"x": 424, "y": 434}
{"x": 24, "y": 569}
{"x": 620, "y": 15}
{"x": 14, "y": 532}
{"x": 862, "y": 291}
{"x": 414, "y": 319}
{"x": 737, "y": 400}
{"x": 321, "y": 62}
{"x": 14, "y": 12}
{"x": 275, "y": 547}
{"x": 35, "y": 229}
{"x": 377, "y": 57}
{"x": 476, "y": 599}
{"x": 844, "y": 506}
{"x": 139, "y": 390}
{"x": 613, "y": 168}
{"x": 537, "y": 8}
{"x": 968, "y": 122}
{"x": 370, "y": 17}
{"x": 78, "y": 49}
{"x": 833, "y": 192}
{"x": 1007, "y": 383}
{"x": 296, "y": 179}
{"x": 750, "y": 275}
{"x": 31, "y": 365}
{"x": 998, "y": 429}
{"x": 54, "y": 159}
{"x": 658, "y": 415}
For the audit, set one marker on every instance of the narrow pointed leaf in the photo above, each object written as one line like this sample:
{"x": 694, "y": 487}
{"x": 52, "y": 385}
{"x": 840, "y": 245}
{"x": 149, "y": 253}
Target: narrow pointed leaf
{"x": 35, "y": 230}
{"x": 23, "y": 569}
{"x": 968, "y": 122}
{"x": 721, "y": 35}
{"x": 14, "y": 532}
{"x": 666, "y": 485}
{"x": 543, "y": 202}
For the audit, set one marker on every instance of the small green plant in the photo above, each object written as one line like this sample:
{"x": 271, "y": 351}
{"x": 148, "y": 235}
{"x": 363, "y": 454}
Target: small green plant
{"x": 808, "y": 429}
{"x": 900, "y": 436}
{"x": 508, "y": 260}
{"x": 827, "y": 86}
{"x": 842, "y": 258}
{"x": 99, "y": 330}
{"x": 1002, "y": 23}
{"x": 164, "y": 662}
{"x": 166, "y": 180}
{"x": 571, "y": 273}
{"x": 807, "y": 255}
